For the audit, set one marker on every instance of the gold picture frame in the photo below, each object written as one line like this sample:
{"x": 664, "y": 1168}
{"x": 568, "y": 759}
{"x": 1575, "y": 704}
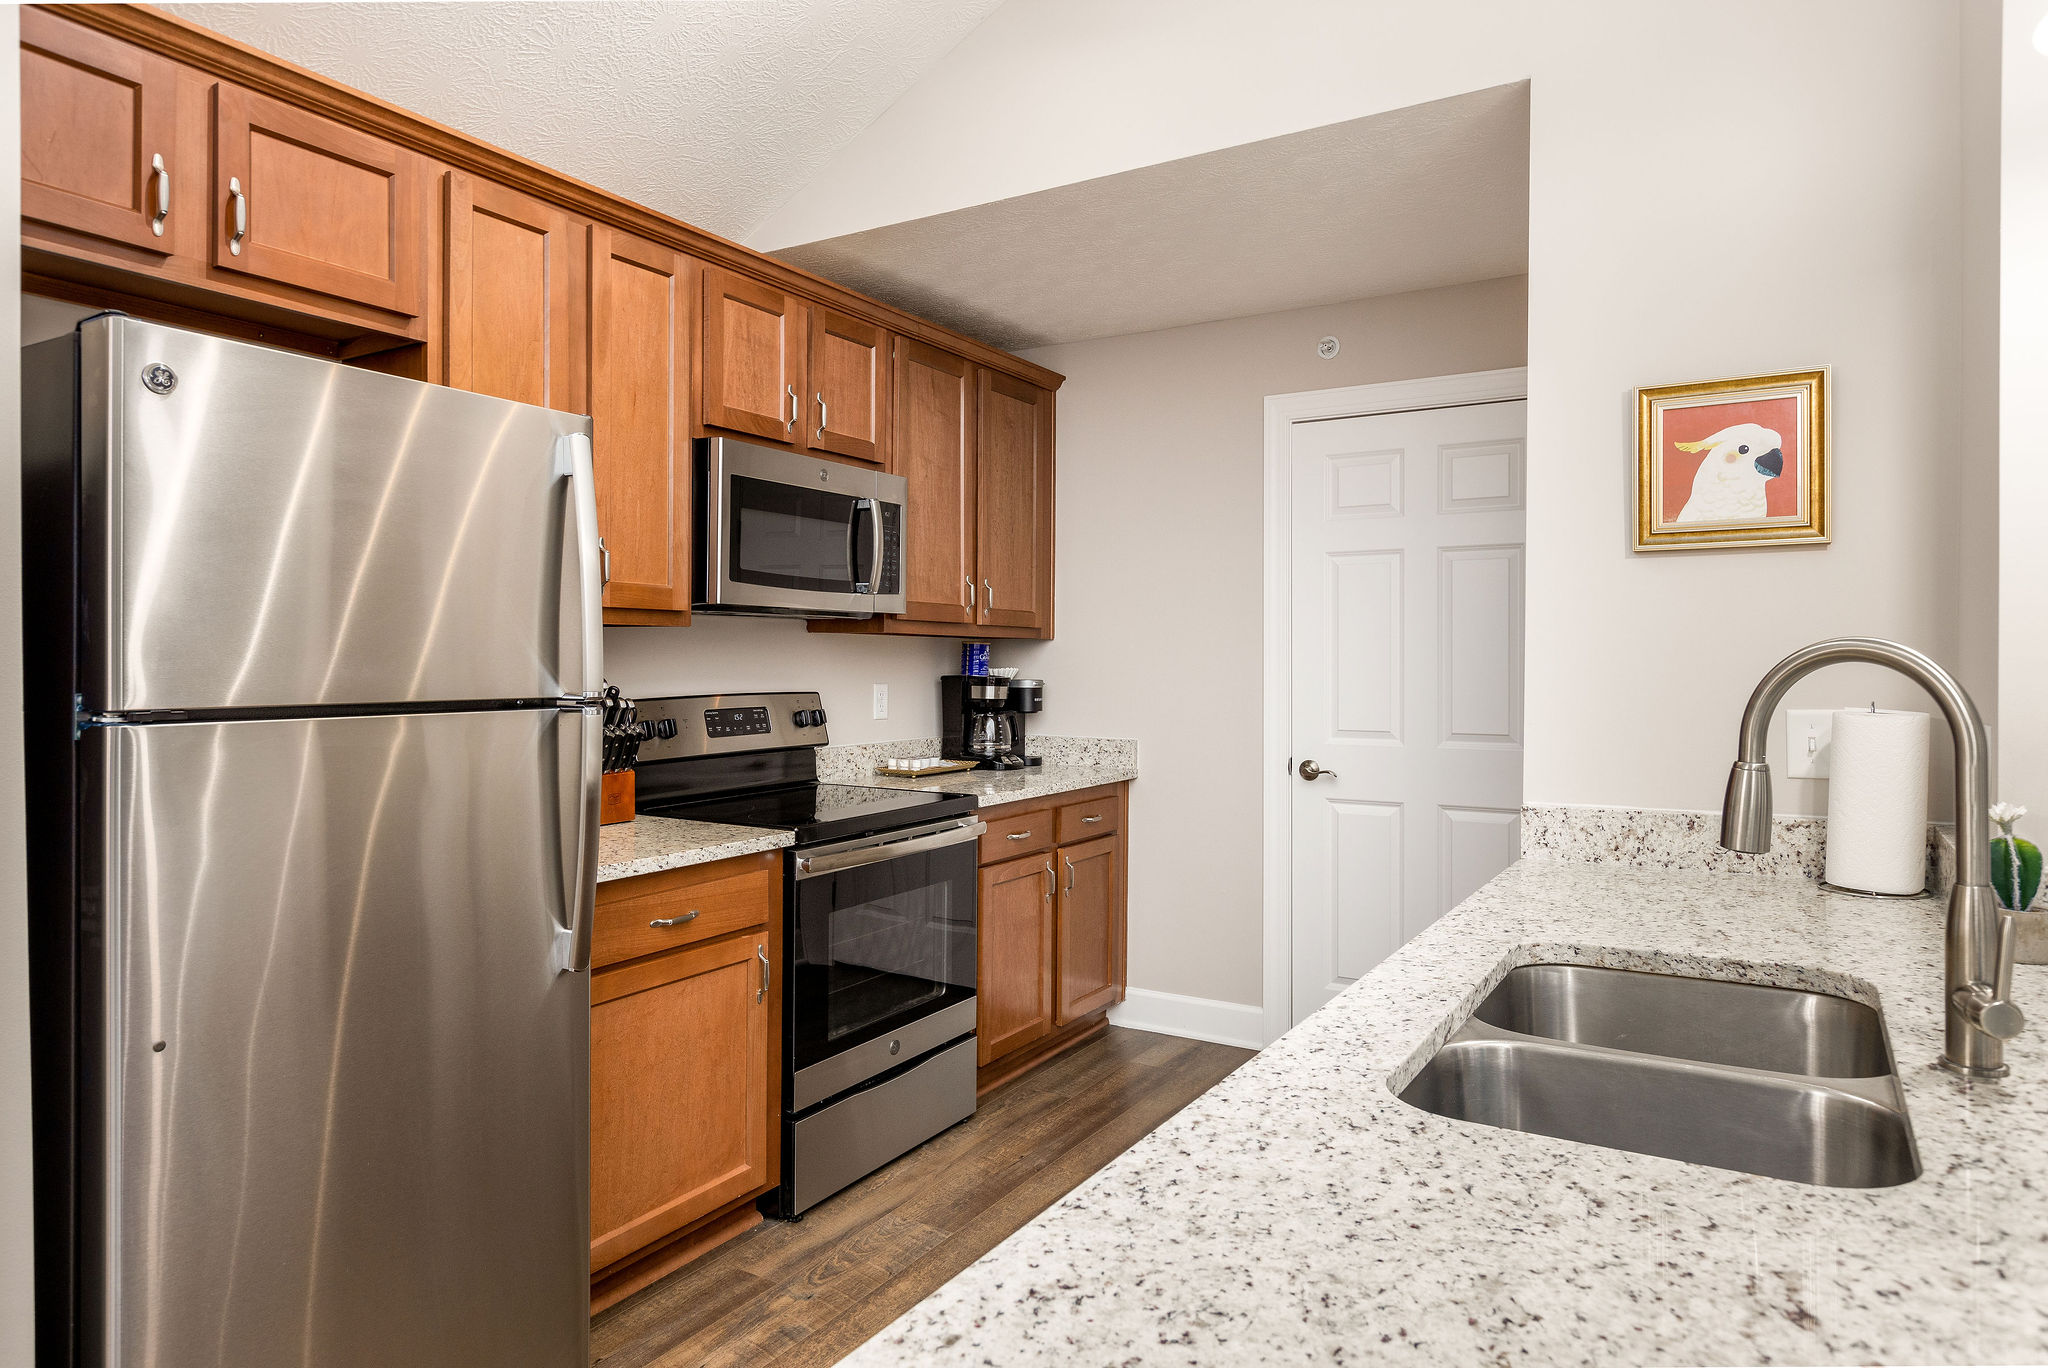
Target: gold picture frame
{"x": 1733, "y": 463}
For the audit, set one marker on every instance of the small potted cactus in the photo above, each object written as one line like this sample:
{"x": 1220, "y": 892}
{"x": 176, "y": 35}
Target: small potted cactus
{"x": 2016, "y": 879}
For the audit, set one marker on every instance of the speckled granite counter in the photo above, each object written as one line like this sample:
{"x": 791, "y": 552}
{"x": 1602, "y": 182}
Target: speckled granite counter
{"x": 648, "y": 845}
{"x": 1300, "y": 1213}
{"x": 994, "y": 787}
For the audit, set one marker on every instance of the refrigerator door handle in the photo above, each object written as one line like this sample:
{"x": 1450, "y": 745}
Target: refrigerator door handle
{"x": 592, "y": 560}
{"x": 572, "y": 942}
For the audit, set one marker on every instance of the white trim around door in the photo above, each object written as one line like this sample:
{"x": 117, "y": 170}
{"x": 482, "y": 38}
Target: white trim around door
{"x": 1445, "y": 391}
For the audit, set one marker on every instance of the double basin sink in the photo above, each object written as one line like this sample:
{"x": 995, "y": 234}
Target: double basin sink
{"x": 1772, "y": 1081}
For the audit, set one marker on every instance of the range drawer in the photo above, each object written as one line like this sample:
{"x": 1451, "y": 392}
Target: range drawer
{"x": 1087, "y": 819}
{"x": 1019, "y": 833}
{"x": 699, "y": 902}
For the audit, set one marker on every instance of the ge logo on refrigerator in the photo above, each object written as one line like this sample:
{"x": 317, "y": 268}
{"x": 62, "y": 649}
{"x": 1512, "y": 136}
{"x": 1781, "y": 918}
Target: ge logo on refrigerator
{"x": 160, "y": 378}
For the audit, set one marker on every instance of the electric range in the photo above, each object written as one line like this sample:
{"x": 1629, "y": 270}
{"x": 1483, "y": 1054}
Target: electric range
{"x": 879, "y": 930}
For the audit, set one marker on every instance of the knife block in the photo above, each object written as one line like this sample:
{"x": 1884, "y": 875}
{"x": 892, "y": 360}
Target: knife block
{"x": 616, "y": 799}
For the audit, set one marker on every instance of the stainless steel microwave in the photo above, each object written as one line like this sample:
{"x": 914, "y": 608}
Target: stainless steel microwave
{"x": 779, "y": 533}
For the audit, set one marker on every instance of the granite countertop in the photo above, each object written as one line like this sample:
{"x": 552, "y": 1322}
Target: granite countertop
{"x": 648, "y": 845}
{"x": 995, "y": 787}
{"x": 1299, "y": 1212}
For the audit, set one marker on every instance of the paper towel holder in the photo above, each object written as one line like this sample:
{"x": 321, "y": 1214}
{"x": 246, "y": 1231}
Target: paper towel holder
{"x": 1980, "y": 945}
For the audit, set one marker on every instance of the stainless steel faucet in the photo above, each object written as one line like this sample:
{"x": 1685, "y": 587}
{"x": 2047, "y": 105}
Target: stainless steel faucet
{"x": 1980, "y": 951}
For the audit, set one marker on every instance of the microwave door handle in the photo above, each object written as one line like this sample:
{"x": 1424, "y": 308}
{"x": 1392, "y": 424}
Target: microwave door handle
{"x": 862, "y": 532}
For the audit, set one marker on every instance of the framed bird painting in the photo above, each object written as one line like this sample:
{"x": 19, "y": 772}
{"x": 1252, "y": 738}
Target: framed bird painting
{"x": 1739, "y": 462}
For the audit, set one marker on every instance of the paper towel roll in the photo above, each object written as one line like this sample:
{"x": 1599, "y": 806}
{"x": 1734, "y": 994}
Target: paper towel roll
{"x": 1877, "y": 801}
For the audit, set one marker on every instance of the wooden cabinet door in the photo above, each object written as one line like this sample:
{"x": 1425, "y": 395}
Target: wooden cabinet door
{"x": 932, "y": 447}
{"x": 1014, "y": 979}
{"x": 679, "y": 1091}
{"x": 515, "y": 321}
{"x": 97, "y": 118}
{"x": 1089, "y": 929}
{"x": 1013, "y": 502}
{"x": 302, "y": 200}
{"x": 849, "y": 386}
{"x": 640, "y": 438}
{"x": 753, "y": 358}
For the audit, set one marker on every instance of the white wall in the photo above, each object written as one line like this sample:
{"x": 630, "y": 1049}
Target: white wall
{"x": 1159, "y": 562}
{"x": 751, "y": 655}
{"x": 2023, "y": 417}
{"x": 17, "y": 1316}
{"x": 1718, "y": 187}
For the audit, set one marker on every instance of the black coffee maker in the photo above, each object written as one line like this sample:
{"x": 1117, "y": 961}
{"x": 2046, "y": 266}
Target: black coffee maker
{"x": 983, "y": 717}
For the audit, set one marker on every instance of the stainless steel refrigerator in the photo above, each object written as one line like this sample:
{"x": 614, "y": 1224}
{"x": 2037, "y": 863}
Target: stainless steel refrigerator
{"x": 312, "y": 655}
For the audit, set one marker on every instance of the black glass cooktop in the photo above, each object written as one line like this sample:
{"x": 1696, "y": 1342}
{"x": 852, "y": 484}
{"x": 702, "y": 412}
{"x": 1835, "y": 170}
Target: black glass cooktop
{"x": 823, "y": 812}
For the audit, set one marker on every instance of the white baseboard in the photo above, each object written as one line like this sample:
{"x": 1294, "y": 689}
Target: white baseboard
{"x": 1220, "y": 1023}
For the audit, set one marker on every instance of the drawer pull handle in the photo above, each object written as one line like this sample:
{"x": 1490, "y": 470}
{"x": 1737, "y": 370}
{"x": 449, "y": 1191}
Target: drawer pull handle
{"x": 1091, "y": 821}
{"x": 163, "y": 195}
{"x": 1019, "y": 836}
{"x": 241, "y": 202}
{"x": 689, "y": 916}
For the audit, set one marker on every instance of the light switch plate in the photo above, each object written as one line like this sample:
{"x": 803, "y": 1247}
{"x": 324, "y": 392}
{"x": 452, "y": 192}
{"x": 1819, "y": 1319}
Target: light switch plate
{"x": 1808, "y": 734}
{"x": 881, "y": 701}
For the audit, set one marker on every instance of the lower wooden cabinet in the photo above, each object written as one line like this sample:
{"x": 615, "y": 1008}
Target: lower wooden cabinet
{"x": 1051, "y": 927}
{"x": 1013, "y": 996}
{"x": 685, "y": 1062}
{"x": 1089, "y": 934}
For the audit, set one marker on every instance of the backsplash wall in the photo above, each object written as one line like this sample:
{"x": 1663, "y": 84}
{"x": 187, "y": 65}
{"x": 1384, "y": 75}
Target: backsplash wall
{"x": 754, "y": 655}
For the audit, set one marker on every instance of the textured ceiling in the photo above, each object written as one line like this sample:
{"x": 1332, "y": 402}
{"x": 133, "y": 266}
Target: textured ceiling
{"x": 1435, "y": 194}
{"x": 714, "y": 111}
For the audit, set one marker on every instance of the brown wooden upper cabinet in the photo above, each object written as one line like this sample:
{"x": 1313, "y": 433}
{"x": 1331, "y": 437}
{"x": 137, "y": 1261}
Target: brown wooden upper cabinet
{"x": 933, "y": 449}
{"x": 640, "y": 429}
{"x": 302, "y": 200}
{"x": 98, "y": 136}
{"x": 849, "y": 386}
{"x": 1013, "y": 484}
{"x": 516, "y": 315}
{"x": 753, "y": 358}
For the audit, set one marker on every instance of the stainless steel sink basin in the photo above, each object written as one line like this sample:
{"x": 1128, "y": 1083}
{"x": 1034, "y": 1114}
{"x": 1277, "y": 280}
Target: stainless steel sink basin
{"x": 1709, "y": 1020}
{"x": 1771, "y": 1081}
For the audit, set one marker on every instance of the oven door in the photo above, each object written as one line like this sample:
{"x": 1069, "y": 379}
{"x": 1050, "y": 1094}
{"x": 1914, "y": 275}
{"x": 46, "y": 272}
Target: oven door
{"x": 881, "y": 954}
{"x": 783, "y": 533}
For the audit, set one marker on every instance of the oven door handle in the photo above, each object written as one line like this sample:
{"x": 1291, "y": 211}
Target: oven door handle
{"x": 816, "y": 866}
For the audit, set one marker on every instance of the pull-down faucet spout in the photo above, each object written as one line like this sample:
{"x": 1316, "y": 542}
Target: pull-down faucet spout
{"x": 1980, "y": 947}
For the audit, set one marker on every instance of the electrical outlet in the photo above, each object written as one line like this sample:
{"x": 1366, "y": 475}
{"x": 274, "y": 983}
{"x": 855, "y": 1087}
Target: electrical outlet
{"x": 881, "y": 701}
{"x": 1808, "y": 733}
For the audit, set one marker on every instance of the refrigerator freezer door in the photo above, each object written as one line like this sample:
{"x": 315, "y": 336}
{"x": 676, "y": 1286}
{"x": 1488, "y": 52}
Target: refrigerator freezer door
{"x": 350, "y": 1110}
{"x": 268, "y": 530}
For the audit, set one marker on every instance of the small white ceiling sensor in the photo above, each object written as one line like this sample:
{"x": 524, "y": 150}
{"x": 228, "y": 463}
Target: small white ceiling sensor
{"x": 1327, "y": 348}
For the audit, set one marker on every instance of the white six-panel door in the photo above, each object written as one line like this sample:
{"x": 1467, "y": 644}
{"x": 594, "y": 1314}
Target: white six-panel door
{"x": 1406, "y": 677}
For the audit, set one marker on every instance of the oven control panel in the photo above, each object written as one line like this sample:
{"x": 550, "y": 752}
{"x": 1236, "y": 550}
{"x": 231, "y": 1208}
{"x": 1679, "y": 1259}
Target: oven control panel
{"x": 736, "y": 722}
{"x": 732, "y": 724}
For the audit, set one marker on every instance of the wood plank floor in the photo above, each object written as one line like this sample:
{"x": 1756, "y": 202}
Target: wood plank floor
{"x": 804, "y": 1293}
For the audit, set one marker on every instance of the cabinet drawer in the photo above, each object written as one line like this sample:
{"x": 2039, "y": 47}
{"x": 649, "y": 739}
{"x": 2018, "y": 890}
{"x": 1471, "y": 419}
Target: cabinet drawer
{"x": 702, "y": 901}
{"x": 1085, "y": 820}
{"x": 1020, "y": 833}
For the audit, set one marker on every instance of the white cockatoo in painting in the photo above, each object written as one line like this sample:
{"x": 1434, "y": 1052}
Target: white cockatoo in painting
{"x": 1729, "y": 486}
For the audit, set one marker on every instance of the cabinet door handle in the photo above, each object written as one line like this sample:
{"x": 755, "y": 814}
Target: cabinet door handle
{"x": 792, "y": 408}
{"x": 1091, "y": 821}
{"x": 1052, "y": 881}
{"x": 604, "y": 556}
{"x": 1017, "y": 836}
{"x": 1070, "y": 872}
{"x": 988, "y": 595}
{"x": 688, "y": 916}
{"x": 762, "y": 991}
{"x": 163, "y": 195}
{"x": 824, "y": 417}
{"x": 970, "y": 595}
{"x": 241, "y": 203}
